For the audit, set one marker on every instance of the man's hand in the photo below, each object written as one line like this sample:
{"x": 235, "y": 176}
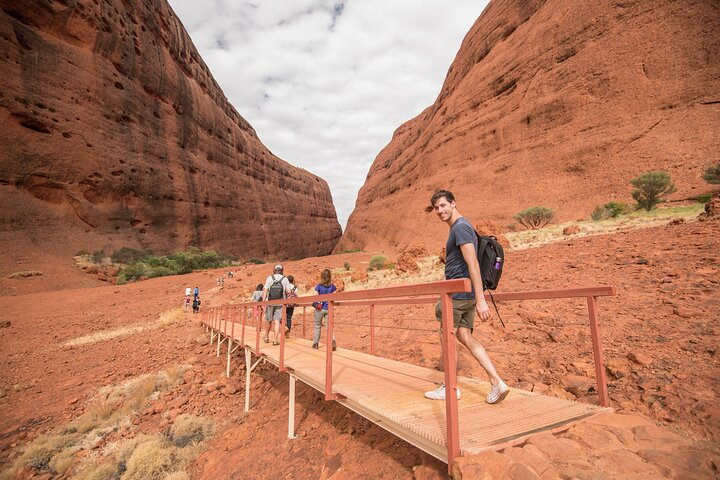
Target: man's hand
{"x": 482, "y": 309}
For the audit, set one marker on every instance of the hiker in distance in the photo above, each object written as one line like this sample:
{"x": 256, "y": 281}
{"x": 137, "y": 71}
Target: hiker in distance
{"x": 275, "y": 287}
{"x": 461, "y": 262}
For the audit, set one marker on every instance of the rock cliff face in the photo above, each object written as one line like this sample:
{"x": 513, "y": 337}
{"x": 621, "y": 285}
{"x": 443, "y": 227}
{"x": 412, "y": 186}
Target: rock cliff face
{"x": 115, "y": 133}
{"x": 556, "y": 103}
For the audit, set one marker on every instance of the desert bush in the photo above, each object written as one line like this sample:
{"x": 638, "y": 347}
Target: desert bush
{"x": 256, "y": 261}
{"x": 377, "y": 262}
{"x": 704, "y": 198}
{"x": 98, "y": 256}
{"x": 81, "y": 253}
{"x": 128, "y": 255}
{"x": 712, "y": 174}
{"x": 650, "y": 187}
{"x": 150, "y": 460}
{"x": 346, "y": 265}
{"x": 599, "y": 213}
{"x": 615, "y": 209}
{"x": 104, "y": 471}
{"x": 189, "y": 429}
{"x": 178, "y": 263}
{"x": 534, "y": 218}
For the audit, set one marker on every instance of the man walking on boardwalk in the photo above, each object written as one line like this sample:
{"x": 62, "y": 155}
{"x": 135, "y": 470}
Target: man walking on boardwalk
{"x": 461, "y": 262}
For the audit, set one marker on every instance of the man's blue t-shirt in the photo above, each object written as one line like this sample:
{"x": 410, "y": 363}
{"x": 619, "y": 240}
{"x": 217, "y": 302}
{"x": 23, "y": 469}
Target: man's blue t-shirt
{"x": 461, "y": 233}
{"x": 324, "y": 290}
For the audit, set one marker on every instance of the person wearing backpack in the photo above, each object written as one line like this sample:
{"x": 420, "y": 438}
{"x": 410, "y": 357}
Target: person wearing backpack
{"x": 291, "y": 292}
{"x": 461, "y": 261}
{"x": 321, "y": 308}
{"x": 275, "y": 287}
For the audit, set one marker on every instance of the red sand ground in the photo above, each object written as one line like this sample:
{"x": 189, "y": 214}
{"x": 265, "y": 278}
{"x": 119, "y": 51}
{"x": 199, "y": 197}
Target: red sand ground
{"x": 665, "y": 317}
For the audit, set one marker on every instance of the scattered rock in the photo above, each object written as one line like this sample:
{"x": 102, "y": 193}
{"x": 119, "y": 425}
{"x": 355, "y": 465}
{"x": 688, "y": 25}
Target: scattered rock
{"x": 640, "y": 358}
{"x": 359, "y": 275}
{"x": 687, "y": 312}
{"x": 571, "y": 230}
{"x": 578, "y": 385}
{"x": 407, "y": 260}
{"x": 72, "y": 401}
{"x": 25, "y": 274}
{"x": 91, "y": 270}
{"x": 5, "y": 324}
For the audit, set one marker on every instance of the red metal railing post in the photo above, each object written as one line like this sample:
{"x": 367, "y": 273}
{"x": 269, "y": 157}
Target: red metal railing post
{"x": 244, "y": 321}
{"x": 283, "y": 320}
{"x": 328, "y": 353}
{"x": 598, "y": 353}
{"x": 304, "y": 321}
{"x": 450, "y": 367}
{"x": 226, "y": 317}
{"x": 259, "y": 314}
{"x": 232, "y": 327}
{"x": 372, "y": 329}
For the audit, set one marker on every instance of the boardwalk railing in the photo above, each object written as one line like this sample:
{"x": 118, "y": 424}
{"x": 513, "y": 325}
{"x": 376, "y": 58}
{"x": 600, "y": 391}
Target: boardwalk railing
{"x": 252, "y": 317}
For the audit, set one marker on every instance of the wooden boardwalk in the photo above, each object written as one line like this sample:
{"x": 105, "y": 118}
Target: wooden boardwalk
{"x": 390, "y": 394}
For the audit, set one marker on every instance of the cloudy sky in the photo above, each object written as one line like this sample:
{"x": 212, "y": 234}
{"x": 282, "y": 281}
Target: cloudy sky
{"x": 325, "y": 83}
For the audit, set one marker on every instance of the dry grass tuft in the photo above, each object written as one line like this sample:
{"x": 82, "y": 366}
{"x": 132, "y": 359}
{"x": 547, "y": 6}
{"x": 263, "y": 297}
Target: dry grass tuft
{"x": 174, "y": 374}
{"x": 151, "y": 460}
{"x": 151, "y": 456}
{"x": 166, "y": 318}
{"x": 189, "y": 429}
{"x": 104, "y": 471}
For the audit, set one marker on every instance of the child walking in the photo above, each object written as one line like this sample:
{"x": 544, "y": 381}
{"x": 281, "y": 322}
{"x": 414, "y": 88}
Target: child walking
{"x": 325, "y": 287}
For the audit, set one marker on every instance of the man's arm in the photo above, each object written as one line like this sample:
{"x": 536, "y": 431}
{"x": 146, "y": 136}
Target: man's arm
{"x": 481, "y": 306}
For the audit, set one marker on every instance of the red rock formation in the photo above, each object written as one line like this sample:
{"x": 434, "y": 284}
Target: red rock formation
{"x": 556, "y": 103}
{"x": 115, "y": 133}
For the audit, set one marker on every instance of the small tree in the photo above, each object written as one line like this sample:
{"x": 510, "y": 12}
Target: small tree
{"x": 650, "y": 187}
{"x": 534, "y": 218}
{"x": 712, "y": 174}
{"x": 377, "y": 262}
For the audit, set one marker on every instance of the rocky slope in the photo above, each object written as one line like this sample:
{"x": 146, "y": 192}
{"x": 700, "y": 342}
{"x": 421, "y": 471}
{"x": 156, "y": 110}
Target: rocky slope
{"x": 116, "y": 134}
{"x": 554, "y": 103}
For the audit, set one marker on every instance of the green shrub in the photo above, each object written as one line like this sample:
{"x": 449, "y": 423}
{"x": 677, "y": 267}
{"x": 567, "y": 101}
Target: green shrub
{"x": 128, "y": 255}
{"x": 346, "y": 265}
{"x": 256, "y": 261}
{"x": 615, "y": 209}
{"x": 704, "y": 198}
{"x": 712, "y": 174}
{"x": 177, "y": 263}
{"x": 81, "y": 253}
{"x": 650, "y": 187}
{"x": 377, "y": 262}
{"x": 534, "y": 217}
{"x": 98, "y": 256}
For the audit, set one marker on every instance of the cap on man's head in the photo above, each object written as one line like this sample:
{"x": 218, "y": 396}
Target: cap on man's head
{"x": 278, "y": 268}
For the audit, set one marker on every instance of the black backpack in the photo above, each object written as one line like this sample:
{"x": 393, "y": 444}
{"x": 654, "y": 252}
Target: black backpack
{"x": 275, "y": 292}
{"x": 491, "y": 258}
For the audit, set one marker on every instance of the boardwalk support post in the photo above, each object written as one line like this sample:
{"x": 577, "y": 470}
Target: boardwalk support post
{"x": 291, "y": 409}
{"x": 372, "y": 329}
{"x": 248, "y": 359}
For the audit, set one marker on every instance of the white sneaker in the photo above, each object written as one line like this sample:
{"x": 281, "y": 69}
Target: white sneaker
{"x": 439, "y": 393}
{"x": 497, "y": 393}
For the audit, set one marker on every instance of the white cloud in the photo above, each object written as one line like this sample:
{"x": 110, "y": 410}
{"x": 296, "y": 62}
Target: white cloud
{"x": 325, "y": 83}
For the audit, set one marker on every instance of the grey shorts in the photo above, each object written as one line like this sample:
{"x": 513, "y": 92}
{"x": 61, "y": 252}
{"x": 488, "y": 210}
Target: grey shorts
{"x": 273, "y": 312}
{"x": 463, "y": 313}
